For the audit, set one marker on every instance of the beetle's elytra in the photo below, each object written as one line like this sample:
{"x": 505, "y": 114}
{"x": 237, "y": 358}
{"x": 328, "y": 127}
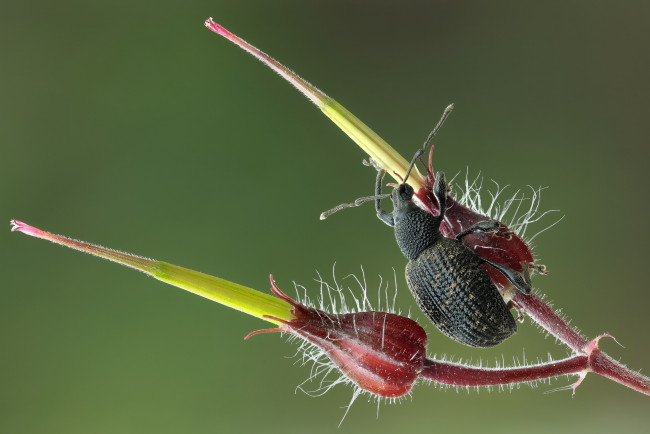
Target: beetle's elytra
{"x": 446, "y": 278}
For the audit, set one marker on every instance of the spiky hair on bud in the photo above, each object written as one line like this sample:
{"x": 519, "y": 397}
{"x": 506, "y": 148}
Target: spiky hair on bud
{"x": 518, "y": 211}
{"x": 378, "y": 353}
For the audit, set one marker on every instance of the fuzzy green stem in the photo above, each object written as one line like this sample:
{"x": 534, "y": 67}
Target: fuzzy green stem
{"x": 371, "y": 143}
{"x": 376, "y": 147}
{"x": 230, "y": 294}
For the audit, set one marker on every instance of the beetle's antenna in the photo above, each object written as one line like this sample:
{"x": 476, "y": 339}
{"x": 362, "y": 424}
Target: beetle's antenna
{"x": 356, "y": 203}
{"x": 430, "y": 137}
{"x": 435, "y": 130}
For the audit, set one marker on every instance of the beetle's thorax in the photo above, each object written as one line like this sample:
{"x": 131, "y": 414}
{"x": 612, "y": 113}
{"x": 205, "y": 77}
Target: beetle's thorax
{"x": 415, "y": 229}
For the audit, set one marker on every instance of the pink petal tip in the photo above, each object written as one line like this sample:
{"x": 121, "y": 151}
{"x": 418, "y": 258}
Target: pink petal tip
{"x": 17, "y": 225}
{"x": 216, "y": 28}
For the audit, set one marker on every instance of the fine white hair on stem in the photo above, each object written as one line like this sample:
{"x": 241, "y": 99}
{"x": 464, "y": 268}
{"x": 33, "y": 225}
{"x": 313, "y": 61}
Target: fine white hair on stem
{"x": 519, "y": 211}
{"x": 560, "y": 314}
{"x": 498, "y": 364}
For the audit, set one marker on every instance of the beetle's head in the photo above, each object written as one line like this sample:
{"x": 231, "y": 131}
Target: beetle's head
{"x": 402, "y": 197}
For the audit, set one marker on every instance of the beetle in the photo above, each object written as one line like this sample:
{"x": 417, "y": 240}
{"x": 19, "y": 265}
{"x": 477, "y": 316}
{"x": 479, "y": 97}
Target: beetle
{"x": 446, "y": 278}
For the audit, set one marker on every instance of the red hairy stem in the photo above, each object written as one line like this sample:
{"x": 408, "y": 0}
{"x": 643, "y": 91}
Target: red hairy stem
{"x": 604, "y": 365}
{"x": 543, "y": 315}
{"x": 460, "y": 375}
{"x": 599, "y": 362}
{"x": 470, "y": 376}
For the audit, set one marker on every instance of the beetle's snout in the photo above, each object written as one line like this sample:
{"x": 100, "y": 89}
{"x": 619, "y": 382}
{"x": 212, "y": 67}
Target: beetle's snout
{"x": 403, "y": 193}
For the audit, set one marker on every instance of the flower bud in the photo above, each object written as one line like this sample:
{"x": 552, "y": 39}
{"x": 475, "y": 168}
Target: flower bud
{"x": 382, "y": 353}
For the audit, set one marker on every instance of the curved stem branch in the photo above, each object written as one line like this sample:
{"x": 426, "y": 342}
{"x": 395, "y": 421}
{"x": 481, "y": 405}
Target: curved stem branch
{"x": 461, "y": 375}
{"x": 471, "y": 376}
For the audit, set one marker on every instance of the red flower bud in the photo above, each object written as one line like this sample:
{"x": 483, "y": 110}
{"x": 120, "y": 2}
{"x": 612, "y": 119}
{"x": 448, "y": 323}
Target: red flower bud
{"x": 503, "y": 247}
{"x": 382, "y": 353}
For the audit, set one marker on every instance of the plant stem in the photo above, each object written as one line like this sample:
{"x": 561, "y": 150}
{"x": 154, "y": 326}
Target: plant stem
{"x": 546, "y": 317}
{"x": 599, "y": 362}
{"x": 376, "y": 147}
{"x": 231, "y": 294}
{"x": 604, "y": 365}
{"x": 461, "y": 375}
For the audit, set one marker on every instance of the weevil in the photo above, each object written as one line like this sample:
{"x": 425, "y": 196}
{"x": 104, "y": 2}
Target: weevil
{"x": 446, "y": 278}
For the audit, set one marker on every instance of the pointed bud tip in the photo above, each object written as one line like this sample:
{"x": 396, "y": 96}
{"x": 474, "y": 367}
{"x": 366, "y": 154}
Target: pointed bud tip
{"x": 17, "y": 225}
{"x": 216, "y": 28}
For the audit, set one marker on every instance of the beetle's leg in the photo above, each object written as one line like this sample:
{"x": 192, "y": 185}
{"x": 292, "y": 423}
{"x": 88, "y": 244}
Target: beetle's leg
{"x": 363, "y": 200}
{"x": 482, "y": 226}
{"x": 440, "y": 193}
{"x": 384, "y": 216}
{"x": 356, "y": 203}
{"x": 541, "y": 269}
{"x": 521, "y": 281}
{"x": 520, "y": 313}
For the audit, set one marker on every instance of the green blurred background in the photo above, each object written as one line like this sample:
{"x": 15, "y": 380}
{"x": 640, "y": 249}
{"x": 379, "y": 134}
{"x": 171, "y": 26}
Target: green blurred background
{"x": 131, "y": 125}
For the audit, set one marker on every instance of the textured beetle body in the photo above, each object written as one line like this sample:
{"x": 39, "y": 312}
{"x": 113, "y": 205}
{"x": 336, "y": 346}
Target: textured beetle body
{"x": 446, "y": 278}
{"x": 449, "y": 284}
